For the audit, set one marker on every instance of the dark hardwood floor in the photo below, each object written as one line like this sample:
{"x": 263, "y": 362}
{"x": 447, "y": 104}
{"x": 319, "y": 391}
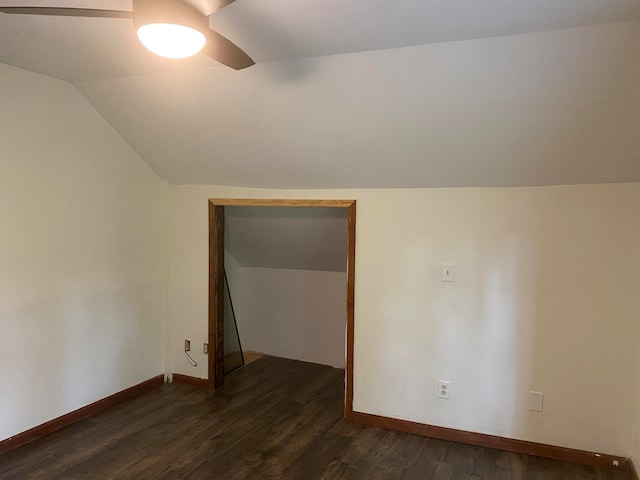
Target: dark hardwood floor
{"x": 273, "y": 419}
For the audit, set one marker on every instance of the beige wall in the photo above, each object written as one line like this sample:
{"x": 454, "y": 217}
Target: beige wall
{"x": 545, "y": 299}
{"x": 81, "y": 255}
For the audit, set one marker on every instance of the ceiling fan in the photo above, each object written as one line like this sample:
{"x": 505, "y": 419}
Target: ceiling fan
{"x": 170, "y": 28}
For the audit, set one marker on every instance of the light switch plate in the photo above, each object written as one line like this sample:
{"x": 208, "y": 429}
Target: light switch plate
{"x": 448, "y": 272}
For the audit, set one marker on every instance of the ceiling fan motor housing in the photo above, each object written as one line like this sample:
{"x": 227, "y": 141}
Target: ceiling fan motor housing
{"x": 174, "y": 12}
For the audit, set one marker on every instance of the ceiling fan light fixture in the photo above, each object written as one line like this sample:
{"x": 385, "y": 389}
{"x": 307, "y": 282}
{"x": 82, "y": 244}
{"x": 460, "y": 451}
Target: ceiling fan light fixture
{"x": 171, "y": 40}
{"x": 170, "y": 28}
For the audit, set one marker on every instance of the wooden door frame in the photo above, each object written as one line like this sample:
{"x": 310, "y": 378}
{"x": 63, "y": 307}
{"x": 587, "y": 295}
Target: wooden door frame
{"x": 216, "y": 282}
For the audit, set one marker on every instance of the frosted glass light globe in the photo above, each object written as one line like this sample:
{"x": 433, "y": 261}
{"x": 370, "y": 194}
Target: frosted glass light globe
{"x": 171, "y": 41}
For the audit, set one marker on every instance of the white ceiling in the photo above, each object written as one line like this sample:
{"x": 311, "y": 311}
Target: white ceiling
{"x": 81, "y": 49}
{"x": 287, "y": 237}
{"x": 461, "y": 104}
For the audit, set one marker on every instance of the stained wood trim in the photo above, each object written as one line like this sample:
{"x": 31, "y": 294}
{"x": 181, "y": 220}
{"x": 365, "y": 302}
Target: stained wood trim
{"x": 70, "y": 418}
{"x": 211, "y": 335}
{"x": 189, "y": 380}
{"x": 216, "y": 267}
{"x": 351, "y": 281}
{"x": 257, "y": 202}
{"x": 218, "y": 298}
{"x": 491, "y": 441}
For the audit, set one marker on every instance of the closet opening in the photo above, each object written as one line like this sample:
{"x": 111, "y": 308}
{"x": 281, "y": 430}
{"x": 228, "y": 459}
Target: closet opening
{"x": 225, "y": 219}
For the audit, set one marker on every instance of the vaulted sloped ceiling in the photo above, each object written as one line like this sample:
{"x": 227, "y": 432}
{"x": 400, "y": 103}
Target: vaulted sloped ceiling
{"x": 273, "y": 30}
{"x": 416, "y": 93}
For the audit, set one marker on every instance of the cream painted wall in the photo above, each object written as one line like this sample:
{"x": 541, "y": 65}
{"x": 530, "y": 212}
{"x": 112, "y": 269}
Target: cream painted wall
{"x": 81, "y": 255}
{"x": 298, "y": 314}
{"x": 545, "y": 298}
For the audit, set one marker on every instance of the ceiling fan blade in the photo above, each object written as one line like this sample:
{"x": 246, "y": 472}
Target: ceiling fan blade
{"x": 224, "y": 51}
{"x": 67, "y": 12}
{"x": 207, "y": 7}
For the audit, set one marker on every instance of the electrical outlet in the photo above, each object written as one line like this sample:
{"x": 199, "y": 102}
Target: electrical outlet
{"x": 187, "y": 345}
{"x": 205, "y": 348}
{"x": 444, "y": 389}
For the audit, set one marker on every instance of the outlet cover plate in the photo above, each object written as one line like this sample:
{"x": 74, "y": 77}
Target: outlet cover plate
{"x": 444, "y": 389}
{"x": 536, "y": 401}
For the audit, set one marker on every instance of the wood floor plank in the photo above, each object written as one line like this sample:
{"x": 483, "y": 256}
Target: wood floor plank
{"x": 273, "y": 419}
{"x": 397, "y": 449}
{"x": 311, "y": 462}
{"x": 363, "y": 441}
{"x": 500, "y": 465}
